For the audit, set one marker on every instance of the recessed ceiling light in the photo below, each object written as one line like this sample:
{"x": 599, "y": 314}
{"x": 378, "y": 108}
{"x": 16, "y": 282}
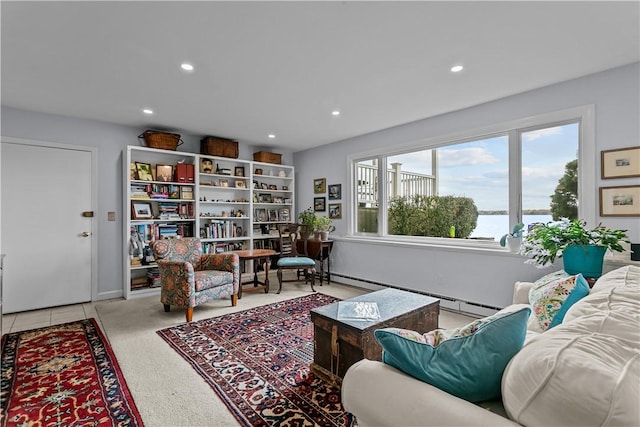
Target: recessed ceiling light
{"x": 271, "y": 136}
{"x": 335, "y": 113}
{"x": 147, "y": 111}
{"x": 457, "y": 68}
{"x": 186, "y": 67}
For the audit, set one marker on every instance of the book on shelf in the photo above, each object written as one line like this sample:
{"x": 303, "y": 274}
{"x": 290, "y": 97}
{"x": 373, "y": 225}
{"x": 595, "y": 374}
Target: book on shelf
{"x": 153, "y": 276}
{"x": 358, "y": 310}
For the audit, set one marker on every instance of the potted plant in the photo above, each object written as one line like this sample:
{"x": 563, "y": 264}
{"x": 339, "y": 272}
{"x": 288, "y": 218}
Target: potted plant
{"x": 582, "y": 249}
{"x": 308, "y": 218}
{"x": 513, "y": 240}
{"x": 323, "y": 225}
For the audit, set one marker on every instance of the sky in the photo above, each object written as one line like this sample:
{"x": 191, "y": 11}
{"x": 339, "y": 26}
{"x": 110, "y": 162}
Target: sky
{"x": 479, "y": 169}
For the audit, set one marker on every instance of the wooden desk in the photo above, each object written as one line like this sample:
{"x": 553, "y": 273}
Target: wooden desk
{"x": 255, "y": 254}
{"x": 338, "y": 344}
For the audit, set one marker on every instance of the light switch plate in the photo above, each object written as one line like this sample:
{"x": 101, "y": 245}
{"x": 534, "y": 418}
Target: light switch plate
{"x": 111, "y": 216}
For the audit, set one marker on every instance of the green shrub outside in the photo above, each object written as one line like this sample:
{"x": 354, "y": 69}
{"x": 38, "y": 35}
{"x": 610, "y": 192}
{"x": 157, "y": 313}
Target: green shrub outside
{"x": 432, "y": 216}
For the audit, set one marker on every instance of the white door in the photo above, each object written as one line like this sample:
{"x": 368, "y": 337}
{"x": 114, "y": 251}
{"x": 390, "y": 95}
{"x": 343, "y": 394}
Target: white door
{"x": 46, "y": 239}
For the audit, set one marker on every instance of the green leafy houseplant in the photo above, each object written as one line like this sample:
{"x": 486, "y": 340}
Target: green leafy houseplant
{"x": 323, "y": 223}
{"x": 543, "y": 243}
{"x": 308, "y": 218}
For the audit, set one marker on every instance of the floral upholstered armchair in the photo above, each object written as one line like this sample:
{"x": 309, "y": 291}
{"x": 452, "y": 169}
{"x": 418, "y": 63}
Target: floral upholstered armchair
{"x": 189, "y": 278}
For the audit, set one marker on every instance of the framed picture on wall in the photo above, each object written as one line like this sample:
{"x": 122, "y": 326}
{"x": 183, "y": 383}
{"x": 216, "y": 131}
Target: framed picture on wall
{"x": 319, "y": 204}
{"x": 620, "y": 163}
{"x": 335, "y": 192}
{"x": 335, "y": 210}
{"x": 620, "y": 201}
{"x": 319, "y": 185}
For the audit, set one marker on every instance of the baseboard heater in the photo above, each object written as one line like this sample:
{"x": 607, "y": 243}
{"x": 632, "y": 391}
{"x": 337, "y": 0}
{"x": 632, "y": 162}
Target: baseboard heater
{"x": 448, "y": 303}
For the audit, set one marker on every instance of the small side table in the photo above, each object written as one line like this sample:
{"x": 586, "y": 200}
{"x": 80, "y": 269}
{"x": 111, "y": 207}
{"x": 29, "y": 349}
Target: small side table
{"x": 255, "y": 254}
{"x": 324, "y": 256}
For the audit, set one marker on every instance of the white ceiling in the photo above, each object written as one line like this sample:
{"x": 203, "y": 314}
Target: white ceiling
{"x": 282, "y": 67}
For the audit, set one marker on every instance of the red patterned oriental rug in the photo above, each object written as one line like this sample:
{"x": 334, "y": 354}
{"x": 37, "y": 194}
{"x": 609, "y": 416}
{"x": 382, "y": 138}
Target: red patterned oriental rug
{"x": 257, "y": 361}
{"x": 63, "y": 375}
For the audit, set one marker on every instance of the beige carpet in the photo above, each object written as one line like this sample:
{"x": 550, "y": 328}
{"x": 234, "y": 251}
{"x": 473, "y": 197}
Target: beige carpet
{"x": 166, "y": 389}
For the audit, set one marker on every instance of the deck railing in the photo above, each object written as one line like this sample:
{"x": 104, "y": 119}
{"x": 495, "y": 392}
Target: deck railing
{"x": 408, "y": 184}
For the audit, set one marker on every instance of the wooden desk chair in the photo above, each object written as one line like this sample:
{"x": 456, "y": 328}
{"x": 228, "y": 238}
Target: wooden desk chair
{"x": 295, "y": 253}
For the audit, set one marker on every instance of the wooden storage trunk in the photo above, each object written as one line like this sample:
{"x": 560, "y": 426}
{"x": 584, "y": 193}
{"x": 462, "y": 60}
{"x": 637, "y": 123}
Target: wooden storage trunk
{"x": 221, "y": 147}
{"x": 266, "y": 157}
{"x": 338, "y": 344}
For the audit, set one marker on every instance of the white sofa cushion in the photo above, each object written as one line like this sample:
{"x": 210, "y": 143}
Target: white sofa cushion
{"x": 585, "y": 371}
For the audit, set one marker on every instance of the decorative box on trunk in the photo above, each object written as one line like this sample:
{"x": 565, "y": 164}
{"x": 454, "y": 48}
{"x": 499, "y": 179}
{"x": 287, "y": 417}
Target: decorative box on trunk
{"x": 221, "y": 147}
{"x": 266, "y": 157}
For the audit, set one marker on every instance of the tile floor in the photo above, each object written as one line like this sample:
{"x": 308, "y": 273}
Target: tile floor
{"x": 33, "y": 319}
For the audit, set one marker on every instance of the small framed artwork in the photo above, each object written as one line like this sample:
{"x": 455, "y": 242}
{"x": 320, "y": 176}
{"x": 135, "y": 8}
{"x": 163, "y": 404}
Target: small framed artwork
{"x": 260, "y": 214}
{"x": 273, "y": 215}
{"x": 620, "y": 201}
{"x": 224, "y": 183}
{"x": 255, "y": 184}
{"x": 264, "y": 186}
{"x": 265, "y": 198}
{"x": 319, "y": 204}
{"x": 141, "y": 210}
{"x": 133, "y": 173}
{"x": 620, "y": 163}
{"x": 164, "y": 173}
{"x": 272, "y": 187}
{"x": 335, "y": 210}
{"x": 241, "y": 184}
{"x": 144, "y": 171}
{"x": 283, "y": 214}
{"x": 239, "y": 171}
{"x": 335, "y": 192}
{"x": 319, "y": 185}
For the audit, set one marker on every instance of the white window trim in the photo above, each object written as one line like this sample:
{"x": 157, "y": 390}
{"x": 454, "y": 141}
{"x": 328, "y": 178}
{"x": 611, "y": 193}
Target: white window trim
{"x": 587, "y": 210}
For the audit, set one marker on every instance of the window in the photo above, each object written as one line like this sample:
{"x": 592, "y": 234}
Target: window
{"x": 472, "y": 188}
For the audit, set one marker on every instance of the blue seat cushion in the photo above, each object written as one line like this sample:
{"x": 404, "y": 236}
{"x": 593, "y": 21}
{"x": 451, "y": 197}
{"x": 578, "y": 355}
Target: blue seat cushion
{"x": 300, "y": 261}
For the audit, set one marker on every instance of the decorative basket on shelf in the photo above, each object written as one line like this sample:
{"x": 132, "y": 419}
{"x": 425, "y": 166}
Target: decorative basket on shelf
{"x": 162, "y": 140}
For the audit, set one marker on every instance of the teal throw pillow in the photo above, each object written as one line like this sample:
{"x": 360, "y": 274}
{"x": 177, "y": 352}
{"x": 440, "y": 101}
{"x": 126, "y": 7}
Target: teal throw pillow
{"x": 467, "y": 362}
{"x": 550, "y": 301}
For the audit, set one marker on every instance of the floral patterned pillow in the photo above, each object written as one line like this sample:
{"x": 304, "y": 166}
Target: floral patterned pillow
{"x": 551, "y": 300}
{"x": 551, "y": 277}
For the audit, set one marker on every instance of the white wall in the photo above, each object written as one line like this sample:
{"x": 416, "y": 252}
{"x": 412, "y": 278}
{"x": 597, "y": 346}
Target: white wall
{"x": 110, "y": 139}
{"x": 482, "y": 277}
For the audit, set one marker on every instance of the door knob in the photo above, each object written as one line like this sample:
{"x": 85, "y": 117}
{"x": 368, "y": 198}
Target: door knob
{"x": 86, "y": 234}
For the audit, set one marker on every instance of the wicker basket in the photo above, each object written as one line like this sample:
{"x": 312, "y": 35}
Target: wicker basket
{"x": 216, "y": 146}
{"x": 267, "y": 157}
{"x": 162, "y": 140}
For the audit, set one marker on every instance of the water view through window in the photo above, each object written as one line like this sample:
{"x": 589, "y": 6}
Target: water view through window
{"x": 479, "y": 170}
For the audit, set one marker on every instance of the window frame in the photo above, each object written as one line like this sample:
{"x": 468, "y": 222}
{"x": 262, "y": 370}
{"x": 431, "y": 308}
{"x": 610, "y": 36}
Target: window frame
{"x": 513, "y": 129}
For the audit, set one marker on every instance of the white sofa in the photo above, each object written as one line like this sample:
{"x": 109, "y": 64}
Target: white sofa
{"x": 583, "y": 372}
